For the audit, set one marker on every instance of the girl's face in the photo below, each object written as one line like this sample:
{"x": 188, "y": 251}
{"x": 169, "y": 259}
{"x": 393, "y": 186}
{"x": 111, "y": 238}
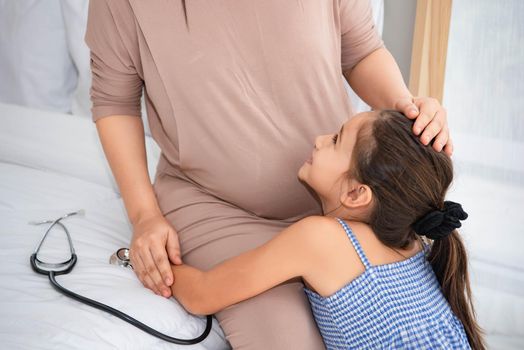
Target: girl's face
{"x": 325, "y": 170}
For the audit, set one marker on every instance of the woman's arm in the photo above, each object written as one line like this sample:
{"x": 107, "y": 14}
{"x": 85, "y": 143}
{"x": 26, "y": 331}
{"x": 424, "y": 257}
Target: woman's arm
{"x": 123, "y": 142}
{"x": 377, "y": 80}
{"x": 122, "y": 138}
{"x": 292, "y": 253}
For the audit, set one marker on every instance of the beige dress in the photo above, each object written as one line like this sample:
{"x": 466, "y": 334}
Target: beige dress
{"x": 234, "y": 101}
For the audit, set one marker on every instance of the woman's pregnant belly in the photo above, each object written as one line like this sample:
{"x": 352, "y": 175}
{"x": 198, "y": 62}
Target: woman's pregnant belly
{"x": 260, "y": 178}
{"x": 249, "y": 101}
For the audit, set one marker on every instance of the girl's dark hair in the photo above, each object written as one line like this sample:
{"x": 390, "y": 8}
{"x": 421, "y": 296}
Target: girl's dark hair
{"x": 408, "y": 180}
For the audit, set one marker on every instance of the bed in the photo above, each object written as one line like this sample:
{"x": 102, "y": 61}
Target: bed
{"x": 52, "y": 163}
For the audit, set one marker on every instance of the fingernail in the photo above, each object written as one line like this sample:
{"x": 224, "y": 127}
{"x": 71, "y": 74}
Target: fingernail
{"x": 417, "y": 131}
{"x": 168, "y": 281}
{"x": 165, "y": 293}
{"x": 414, "y": 109}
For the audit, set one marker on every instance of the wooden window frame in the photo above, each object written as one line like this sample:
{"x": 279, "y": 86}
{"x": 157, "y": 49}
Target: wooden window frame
{"x": 429, "y": 50}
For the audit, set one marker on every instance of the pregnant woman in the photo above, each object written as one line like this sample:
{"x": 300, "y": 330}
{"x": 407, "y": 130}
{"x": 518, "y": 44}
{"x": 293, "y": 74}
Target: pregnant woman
{"x": 235, "y": 91}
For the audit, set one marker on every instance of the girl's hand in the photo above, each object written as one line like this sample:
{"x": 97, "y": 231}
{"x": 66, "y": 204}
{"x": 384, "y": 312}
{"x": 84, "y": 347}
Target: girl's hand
{"x": 154, "y": 244}
{"x": 431, "y": 118}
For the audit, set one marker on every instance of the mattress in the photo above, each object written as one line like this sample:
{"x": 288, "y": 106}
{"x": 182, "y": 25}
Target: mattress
{"x": 52, "y": 164}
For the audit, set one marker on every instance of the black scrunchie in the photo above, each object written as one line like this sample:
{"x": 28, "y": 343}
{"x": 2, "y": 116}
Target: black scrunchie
{"x": 438, "y": 224}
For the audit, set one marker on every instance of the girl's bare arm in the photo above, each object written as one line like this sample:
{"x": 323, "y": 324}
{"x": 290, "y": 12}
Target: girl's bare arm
{"x": 292, "y": 253}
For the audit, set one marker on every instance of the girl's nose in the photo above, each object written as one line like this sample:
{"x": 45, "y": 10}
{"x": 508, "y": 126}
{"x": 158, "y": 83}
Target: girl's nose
{"x": 319, "y": 141}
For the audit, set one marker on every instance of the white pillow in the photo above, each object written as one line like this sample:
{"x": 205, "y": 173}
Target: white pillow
{"x": 60, "y": 143}
{"x": 74, "y": 14}
{"x": 35, "y": 67}
{"x": 44, "y": 61}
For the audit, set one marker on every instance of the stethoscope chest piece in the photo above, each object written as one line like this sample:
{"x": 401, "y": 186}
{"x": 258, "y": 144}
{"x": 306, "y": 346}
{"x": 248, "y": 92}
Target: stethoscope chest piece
{"x": 121, "y": 258}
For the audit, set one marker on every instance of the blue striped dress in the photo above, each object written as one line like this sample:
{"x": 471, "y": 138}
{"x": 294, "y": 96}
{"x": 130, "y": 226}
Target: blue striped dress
{"x": 393, "y": 306}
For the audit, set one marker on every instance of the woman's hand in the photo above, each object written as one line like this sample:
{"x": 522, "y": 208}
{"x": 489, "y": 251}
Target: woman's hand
{"x": 431, "y": 118}
{"x": 154, "y": 239}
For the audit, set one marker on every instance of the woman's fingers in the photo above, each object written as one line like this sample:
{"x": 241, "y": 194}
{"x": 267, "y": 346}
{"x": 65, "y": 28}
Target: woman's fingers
{"x": 441, "y": 139}
{"x": 173, "y": 249}
{"x": 436, "y": 126}
{"x": 408, "y": 107}
{"x": 434, "y": 123}
{"x": 431, "y": 121}
{"x": 153, "y": 239}
{"x": 150, "y": 284}
{"x": 163, "y": 276}
{"x": 140, "y": 270}
{"x": 429, "y": 107}
{"x": 448, "y": 149}
{"x": 153, "y": 270}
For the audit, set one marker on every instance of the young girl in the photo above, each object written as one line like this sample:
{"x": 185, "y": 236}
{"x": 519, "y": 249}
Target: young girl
{"x": 371, "y": 280}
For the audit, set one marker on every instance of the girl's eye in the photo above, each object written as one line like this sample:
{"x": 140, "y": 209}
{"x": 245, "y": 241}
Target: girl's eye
{"x": 335, "y": 138}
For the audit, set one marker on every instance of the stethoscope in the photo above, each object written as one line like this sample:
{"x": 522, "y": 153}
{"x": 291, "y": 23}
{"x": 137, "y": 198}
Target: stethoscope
{"x": 121, "y": 258}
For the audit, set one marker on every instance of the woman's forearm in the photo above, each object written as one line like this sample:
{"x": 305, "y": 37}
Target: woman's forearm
{"x": 377, "y": 80}
{"x": 122, "y": 139}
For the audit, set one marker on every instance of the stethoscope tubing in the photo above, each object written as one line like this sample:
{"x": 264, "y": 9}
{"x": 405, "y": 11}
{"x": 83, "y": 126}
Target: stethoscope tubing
{"x": 128, "y": 318}
{"x": 68, "y": 266}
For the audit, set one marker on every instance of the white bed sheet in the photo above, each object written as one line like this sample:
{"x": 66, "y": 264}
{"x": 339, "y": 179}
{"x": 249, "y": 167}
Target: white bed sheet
{"x": 50, "y": 164}
{"x": 53, "y": 163}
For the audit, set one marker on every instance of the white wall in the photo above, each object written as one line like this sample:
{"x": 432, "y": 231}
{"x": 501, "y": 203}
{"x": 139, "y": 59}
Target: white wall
{"x": 399, "y": 23}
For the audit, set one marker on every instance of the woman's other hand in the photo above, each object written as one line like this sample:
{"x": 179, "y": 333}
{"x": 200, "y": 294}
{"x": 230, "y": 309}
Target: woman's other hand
{"x": 154, "y": 244}
{"x": 431, "y": 121}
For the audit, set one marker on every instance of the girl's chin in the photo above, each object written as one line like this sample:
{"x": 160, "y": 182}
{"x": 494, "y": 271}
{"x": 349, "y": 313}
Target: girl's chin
{"x": 301, "y": 172}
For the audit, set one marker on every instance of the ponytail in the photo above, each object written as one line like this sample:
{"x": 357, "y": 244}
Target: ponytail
{"x": 409, "y": 181}
{"x": 449, "y": 261}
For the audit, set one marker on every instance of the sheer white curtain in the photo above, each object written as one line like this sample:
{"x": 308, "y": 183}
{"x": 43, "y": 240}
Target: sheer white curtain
{"x": 484, "y": 87}
{"x": 484, "y": 96}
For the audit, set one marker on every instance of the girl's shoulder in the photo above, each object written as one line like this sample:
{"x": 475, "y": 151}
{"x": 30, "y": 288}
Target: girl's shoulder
{"x": 325, "y": 236}
{"x": 318, "y": 226}
{"x": 336, "y": 262}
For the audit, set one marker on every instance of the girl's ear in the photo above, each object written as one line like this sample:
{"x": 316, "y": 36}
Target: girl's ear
{"x": 356, "y": 195}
